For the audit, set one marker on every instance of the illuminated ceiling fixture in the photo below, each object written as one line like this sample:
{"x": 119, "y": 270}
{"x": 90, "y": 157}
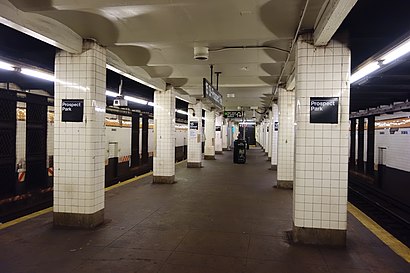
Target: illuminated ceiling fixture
{"x": 396, "y": 52}
{"x": 182, "y": 112}
{"x": 136, "y": 100}
{"x": 364, "y": 71}
{"x": 6, "y": 66}
{"x": 129, "y": 76}
{"x": 111, "y": 94}
{"x": 232, "y": 95}
{"x": 38, "y": 74}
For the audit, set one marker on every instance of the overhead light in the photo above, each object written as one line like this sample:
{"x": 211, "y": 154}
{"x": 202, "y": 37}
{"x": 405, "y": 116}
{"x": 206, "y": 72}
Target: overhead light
{"x": 231, "y": 95}
{"x": 136, "y": 100}
{"x": 6, "y": 66}
{"x": 182, "y": 112}
{"x": 247, "y": 123}
{"x": 151, "y": 104}
{"x": 38, "y": 74}
{"x": 111, "y": 94}
{"x": 396, "y": 53}
{"x": 364, "y": 71}
{"x": 203, "y": 118}
{"x": 182, "y": 99}
{"x": 129, "y": 76}
{"x": 244, "y": 68}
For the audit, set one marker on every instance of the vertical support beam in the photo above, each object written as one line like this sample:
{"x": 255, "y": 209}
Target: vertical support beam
{"x": 79, "y": 148}
{"x": 218, "y": 134}
{"x": 144, "y": 139}
{"x": 270, "y": 135}
{"x": 360, "y": 145}
{"x": 164, "y": 136}
{"x": 321, "y": 144}
{"x": 286, "y": 139}
{"x": 194, "y": 158}
{"x": 135, "y": 140}
{"x": 370, "y": 145}
{"x": 352, "y": 158}
{"x": 209, "y": 135}
{"x": 274, "y": 159}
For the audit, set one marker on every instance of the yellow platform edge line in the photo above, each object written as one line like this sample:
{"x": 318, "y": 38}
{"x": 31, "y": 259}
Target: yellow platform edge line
{"x": 50, "y": 209}
{"x": 398, "y": 247}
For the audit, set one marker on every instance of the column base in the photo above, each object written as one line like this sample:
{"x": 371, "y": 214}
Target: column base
{"x": 78, "y": 220}
{"x": 219, "y": 152}
{"x": 225, "y": 149}
{"x": 285, "y": 184}
{"x": 266, "y": 153}
{"x": 194, "y": 164}
{"x": 319, "y": 236}
{"x": 269, "y": 158}
{"x": 163, "y": 179}
{"x": 209, "y": 157}
{"x": 274, "y": 167}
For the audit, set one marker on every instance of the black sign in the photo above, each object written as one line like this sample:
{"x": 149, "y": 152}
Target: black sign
{"x": 217, "y": 128}
{"x": 324, "y": 110}
{"x": 72, "y": 110}
{"x": 193, "y": 125}
{"x": 233, "y": 114}
{"x": 211, "y": 94}
{"x": 276, "y": 125}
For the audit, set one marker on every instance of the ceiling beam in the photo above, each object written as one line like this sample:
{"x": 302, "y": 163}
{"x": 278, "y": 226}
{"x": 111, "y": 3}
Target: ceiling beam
{"x": 40, "y": 27}
{"x": 332, "y": 15}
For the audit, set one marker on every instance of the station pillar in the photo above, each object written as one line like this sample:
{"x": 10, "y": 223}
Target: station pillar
{"x": 321, "y": 138}
{"x": 79, "y": 137}
{"x": 270, "y": 135}
{"x": 209, "y": 135}
{"x": 352, "y": 159}
{"x": 194, "y": 155}
{"x": 360, "y": 145}
{"x": 286, "y": 139}
{"x": 218, "y": 134}
{"x": 164, "y": 136}
{"x": 370, "y": 145}
{"x": 274, "y": 149}
{"x": 267, "y": 136}
{"x": 225, "y": 132}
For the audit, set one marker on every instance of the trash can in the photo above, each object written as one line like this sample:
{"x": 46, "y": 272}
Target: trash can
{"x": 239, "y": 151}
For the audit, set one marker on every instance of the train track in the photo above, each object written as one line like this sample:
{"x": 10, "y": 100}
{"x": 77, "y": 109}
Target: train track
{"x": 389, "y": 213}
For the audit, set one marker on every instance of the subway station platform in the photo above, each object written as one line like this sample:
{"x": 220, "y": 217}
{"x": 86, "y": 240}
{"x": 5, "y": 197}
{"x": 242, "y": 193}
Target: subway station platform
{"x": 215, "y": 219}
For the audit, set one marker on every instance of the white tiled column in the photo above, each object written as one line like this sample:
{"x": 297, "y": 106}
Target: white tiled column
{"x": 164, "y": 136}
{"x": 194, "y": 156}
{"x": 79, "y": 147}
{"x": 286, "y": 139}
{"x": 321, "y": 154}
{"x": 270, "y": 134}
{"x": 263, "y": 135}
{"x": 267, "y": 136}
{"x": 209, "y": 135}
{"x": 225, "y": 136}
{"x": 218, "y": 134}
{"x": 274, "y": 158}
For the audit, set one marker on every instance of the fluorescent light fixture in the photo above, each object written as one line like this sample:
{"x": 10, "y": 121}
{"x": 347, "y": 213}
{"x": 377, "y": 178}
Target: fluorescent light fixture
{"x": 129, "y": 76}
{"x": 6, "y": 66}
{"x": 182, "y": 99}
{"x": 182, "y": 112}
{"x": 203, "y": 118}
{"x": 111, "y": 94}
{"x": 38, "y": 74}
{"x": 247, "y": 123}
{"x": 151, "y": 104}
{"x": 364, "y": 71}
{"x": 136, "y": 100}
{"x": 396, "y": 53}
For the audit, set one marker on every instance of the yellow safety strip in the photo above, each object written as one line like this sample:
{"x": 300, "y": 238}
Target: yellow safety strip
{"x": 398, "y": 247}
{"x": 50, "y": 209}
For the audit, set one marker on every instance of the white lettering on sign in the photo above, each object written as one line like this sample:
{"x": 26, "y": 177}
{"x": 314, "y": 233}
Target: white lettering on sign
{"x": 318, "y": 105}
{"x": 68, "y": 106}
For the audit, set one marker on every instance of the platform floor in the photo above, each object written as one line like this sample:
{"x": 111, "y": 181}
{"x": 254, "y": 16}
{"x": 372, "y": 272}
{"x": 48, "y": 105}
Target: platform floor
{"x": 221, "y": 218}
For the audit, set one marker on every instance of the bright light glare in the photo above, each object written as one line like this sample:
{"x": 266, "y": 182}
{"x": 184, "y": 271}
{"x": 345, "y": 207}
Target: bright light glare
{"x": 396, "y": 52}
{"x": 247, "y": 123}
{"x": 136, "y": 100}
{"x": 182, "y": 112}
{"x": 364, "y": 71}
{"x": 111, "y": 94}
{"x": 151, "y": 104}
{"x": 38, "y": 74}
{"x": 6, "y": 66}
{"x": 112, "y": 68}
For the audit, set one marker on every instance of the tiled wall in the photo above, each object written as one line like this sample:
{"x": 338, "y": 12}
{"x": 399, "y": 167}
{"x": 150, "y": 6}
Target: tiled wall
{"x": 267, "y": 135}
{"x": 79, "y": 148}
{"x": 321, "y": 154}
{"x": 209, "y": 133}
{"x": 275, "y": 118}
{"x": 286, "y": 138}
{"x": 218, "y": 134}
{"x": 270, "y": 133}
{"x": 21, "y": 136}
{"x": 164, "y": 133}
{"x": 195, "y": 136}
{"x": 225, "y": 136}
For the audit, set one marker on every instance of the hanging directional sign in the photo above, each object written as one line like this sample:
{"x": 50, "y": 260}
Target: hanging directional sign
{"x": 233, "y": 114}
{"x": 324, "y": 110}
{"x": 72, "y": 110}
{"x": 211, "y": 95}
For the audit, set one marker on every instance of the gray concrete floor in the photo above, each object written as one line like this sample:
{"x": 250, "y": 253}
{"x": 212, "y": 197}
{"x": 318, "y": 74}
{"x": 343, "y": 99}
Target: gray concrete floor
{"x": 221, "y": 218}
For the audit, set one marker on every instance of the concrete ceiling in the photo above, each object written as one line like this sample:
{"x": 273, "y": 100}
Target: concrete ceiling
{"x": 159, "y": 36}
